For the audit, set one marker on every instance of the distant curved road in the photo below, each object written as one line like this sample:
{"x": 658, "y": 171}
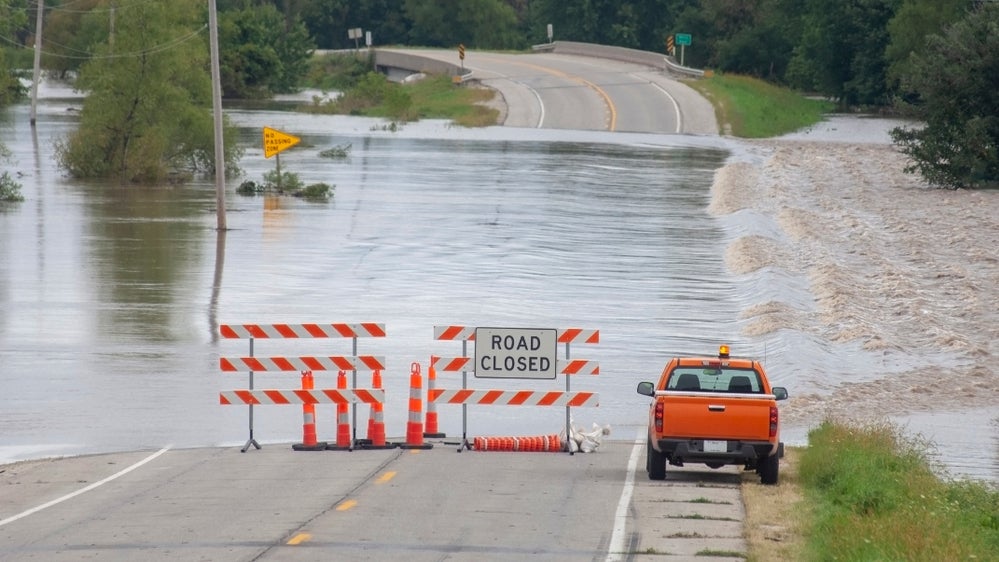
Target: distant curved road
{"x": 558, "y": 91}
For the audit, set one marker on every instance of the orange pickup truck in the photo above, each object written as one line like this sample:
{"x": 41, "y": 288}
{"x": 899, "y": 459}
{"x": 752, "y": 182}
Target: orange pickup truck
{"x": 716, "y": 411}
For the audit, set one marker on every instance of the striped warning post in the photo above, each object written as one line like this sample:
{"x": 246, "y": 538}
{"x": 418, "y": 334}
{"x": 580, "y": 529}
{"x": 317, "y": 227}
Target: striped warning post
{"x": 376, "y": 422}
{"x": 516, "y": 397}
{"x": 414, "y": 427}
{"x": 342, "y": 417}
{"x": 430, "y": 428}
{"x": 318, "y": 396}
{"x": 309, "y": 441}
{"x": 565, "y": 367}
{"x": 275, "y": 364}
{"x": 246, "y": 331}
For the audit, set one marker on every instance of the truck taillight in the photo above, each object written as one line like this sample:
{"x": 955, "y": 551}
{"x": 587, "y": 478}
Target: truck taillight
{"x": 773, "y": 421}
{"x": 659, "y": 417}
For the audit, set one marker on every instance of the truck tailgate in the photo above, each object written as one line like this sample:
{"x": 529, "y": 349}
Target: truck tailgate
{"x": 716, "y": 416}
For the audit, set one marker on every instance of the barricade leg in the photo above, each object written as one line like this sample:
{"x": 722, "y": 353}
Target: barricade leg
{"x": 309, "y": 442}
{"x": 414, "y": 428}
{"x": 342, "y": 418}
{"x": 430, "y": 429}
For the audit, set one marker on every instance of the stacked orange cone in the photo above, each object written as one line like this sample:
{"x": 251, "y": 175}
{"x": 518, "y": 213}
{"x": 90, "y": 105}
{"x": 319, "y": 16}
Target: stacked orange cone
{"x": 414, "y": 427}
{"x": 376, "y": 424}
{"x": 309, "y": 442}
{"x": 540, "y": 443}
{"x": 342, "y": 415}
{"x": 431, "y": 430}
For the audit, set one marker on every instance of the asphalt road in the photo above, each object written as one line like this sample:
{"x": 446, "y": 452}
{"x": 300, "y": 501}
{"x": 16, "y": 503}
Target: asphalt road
{"x": 557, "y": 91}
{"x": 437, "y": 504}
{"x": 413, "y": 504}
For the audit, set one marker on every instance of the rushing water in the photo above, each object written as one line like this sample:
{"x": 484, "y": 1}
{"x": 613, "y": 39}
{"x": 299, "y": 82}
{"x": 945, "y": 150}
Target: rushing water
{"x": 112, "y": 295}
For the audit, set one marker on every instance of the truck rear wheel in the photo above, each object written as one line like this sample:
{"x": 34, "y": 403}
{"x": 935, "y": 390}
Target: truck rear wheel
{"x": 770, "y": 469}
{"x": 655, "y": 462}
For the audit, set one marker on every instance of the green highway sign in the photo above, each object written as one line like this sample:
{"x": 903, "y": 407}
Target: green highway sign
{"x": 683, "y": 39}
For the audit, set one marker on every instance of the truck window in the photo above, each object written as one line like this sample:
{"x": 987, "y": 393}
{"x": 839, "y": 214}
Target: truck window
{"x": 741, "y": 381}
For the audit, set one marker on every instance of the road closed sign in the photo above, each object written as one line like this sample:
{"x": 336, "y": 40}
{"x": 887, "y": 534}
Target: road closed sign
{"x": 516, "y": 353}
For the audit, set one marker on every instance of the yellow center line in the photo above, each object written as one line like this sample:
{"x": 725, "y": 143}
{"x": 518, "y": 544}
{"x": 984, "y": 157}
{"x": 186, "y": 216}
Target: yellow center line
{"x": 299, "y": 539}
{"x": 385, "y": 477}
{"x": 600, "y": 91}
{"x": 346, "y": 505}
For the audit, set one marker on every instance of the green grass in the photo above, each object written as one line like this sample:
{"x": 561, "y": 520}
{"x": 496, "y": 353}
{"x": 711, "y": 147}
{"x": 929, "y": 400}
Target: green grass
{"x": 876, "y": 497}
{"x": 433, "y": 97}
{"x": 752, "y": 108}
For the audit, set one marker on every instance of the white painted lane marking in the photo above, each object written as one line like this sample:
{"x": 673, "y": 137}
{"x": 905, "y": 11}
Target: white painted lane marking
{"x": 615, "y": 550}
{"x": 86, "y": 489}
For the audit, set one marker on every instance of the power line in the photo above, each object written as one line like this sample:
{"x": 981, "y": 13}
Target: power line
{"x": 152, "y": 50}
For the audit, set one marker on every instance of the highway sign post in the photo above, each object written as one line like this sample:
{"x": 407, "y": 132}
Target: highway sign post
{"x": 276, "y": 142}
{"x": 682, "y": 39}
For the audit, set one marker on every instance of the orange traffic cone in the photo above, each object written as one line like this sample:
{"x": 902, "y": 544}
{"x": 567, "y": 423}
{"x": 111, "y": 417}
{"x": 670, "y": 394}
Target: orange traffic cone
{"x": 309, "y": 442}
{"x": 430, "y": 430}
{"x": 342, "y": 418}
{"x": 414, "y": 428}
{"x": 376, "y": 421}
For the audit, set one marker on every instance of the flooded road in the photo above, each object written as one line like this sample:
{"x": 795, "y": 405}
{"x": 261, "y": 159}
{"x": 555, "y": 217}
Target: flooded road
{"x": 112, "y": 295}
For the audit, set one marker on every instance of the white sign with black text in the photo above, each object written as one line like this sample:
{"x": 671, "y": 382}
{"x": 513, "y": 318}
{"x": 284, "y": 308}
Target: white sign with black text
{"x": 516, "y": 353}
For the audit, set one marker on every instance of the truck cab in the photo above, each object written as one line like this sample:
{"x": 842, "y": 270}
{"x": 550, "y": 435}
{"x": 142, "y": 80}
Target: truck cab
{"x": 715, "y": 411}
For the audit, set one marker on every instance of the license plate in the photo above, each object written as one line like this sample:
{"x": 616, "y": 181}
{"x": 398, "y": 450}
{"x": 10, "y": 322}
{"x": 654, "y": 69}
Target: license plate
{"x": 716, "y": 446}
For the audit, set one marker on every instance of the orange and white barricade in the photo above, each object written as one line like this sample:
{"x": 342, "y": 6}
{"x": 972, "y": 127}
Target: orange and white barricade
{"x": 466, "y": 396}
{"x": 308, "y": 396}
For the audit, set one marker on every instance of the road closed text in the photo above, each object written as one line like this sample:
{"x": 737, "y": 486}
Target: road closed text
{"x": 515, "y": 353}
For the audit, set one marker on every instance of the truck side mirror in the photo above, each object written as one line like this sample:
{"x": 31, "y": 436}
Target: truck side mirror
{"x": 779, "y": 392}
{"x": 646, "y": 388}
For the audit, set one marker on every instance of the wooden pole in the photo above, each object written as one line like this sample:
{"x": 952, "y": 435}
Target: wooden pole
{"x": 213, "y": 34}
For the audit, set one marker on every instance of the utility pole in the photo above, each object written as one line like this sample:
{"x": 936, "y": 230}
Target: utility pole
{"x": 38, "y": 61}
{"x": 213, "y": 34}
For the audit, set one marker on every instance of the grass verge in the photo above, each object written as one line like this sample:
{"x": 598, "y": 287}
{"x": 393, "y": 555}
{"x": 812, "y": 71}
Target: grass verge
{"x": 860, "y": 493}
{"x": 432, "y": 97}
{"x": 752, "y": 108}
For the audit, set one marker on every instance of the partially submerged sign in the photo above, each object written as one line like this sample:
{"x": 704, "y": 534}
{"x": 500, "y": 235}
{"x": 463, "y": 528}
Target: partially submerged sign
{"x": 516, "y": 353}
{"x": 276, "y": 141}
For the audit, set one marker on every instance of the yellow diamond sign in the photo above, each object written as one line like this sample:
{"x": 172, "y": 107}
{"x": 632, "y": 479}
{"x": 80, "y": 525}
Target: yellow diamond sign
{"x": 275, "y": 141}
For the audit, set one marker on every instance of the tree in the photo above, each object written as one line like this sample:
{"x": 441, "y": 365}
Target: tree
{"x": 913, "y": 22}
{"x": 146, "y": 111}
{"x": 12, "y": 17}
{"x": 956, "y": 79}
{"x": 841, "y": 51}
{"x": 329, "y": 20}
{"x": 484, "y": 24}
{"x": 262, "y": 52}
{"x": 71, "y": 34}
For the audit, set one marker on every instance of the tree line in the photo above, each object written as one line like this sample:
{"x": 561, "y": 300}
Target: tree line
{"x": 857, "y": 52}
{"x": 917, "y": 56}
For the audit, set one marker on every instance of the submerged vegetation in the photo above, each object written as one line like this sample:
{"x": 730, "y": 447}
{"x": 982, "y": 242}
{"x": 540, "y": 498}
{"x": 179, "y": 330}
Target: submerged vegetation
{"x": 371, "y": 94}
{"x": 286, "y": 183}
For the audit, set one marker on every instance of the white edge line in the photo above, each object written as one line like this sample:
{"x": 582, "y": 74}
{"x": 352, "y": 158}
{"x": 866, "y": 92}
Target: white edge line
{"x": 83, "y": 490}
{"x": 676, "y": 108}
{"x": 615, "y": 550}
